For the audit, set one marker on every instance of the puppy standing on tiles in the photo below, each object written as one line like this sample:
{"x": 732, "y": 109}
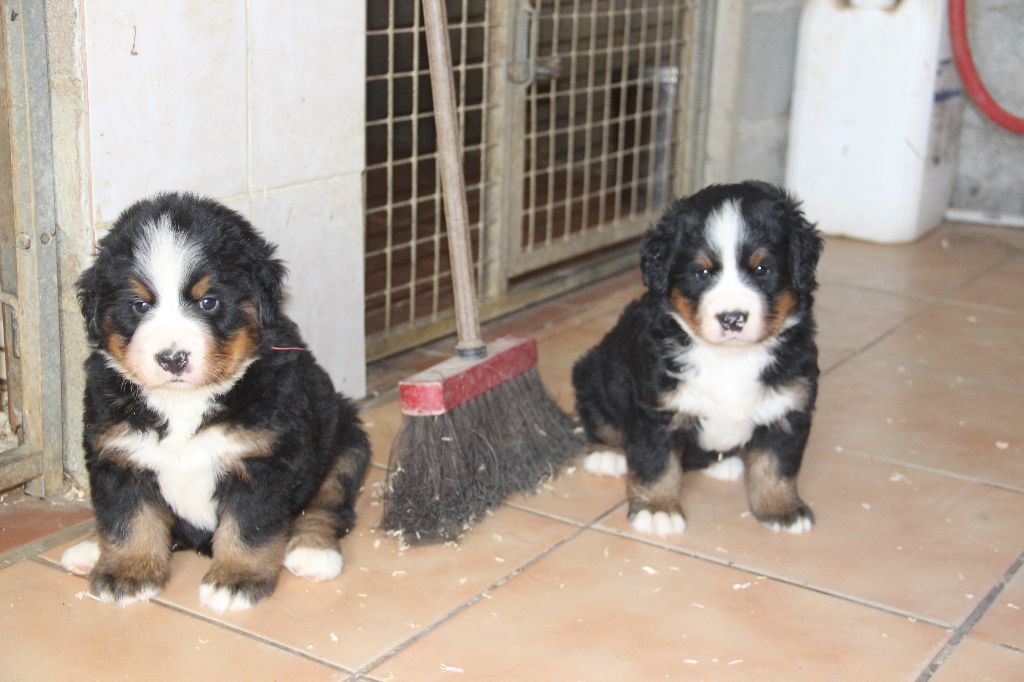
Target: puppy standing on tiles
{"x": 208, "y": 424}
{"x": 715, "y": 366}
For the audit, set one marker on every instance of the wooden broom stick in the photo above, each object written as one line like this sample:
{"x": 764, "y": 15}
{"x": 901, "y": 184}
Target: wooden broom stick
{"x": 453, "y": 184}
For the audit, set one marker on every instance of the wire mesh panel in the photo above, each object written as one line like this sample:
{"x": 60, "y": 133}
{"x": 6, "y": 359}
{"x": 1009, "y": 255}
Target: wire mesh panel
{"x": 408, "y": 281}
{"x": 600, "y": 115}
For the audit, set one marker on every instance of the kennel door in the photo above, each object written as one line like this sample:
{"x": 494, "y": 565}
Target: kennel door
{"x": 594, "y": 147}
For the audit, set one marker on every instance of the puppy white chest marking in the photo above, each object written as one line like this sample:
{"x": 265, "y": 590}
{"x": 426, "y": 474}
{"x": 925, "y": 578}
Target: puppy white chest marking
{"x": 187, "y": 463}
{"x": 722, "y": 387}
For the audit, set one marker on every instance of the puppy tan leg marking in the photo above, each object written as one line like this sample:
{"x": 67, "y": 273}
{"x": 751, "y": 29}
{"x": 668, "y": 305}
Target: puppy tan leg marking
{"x": 137, "y": 568}
{"x": 773, "y": 498}
{"x": 312, "y": 551}
{"x": 654, "y": 508}
{"x": 241, "y": 575}
{"x": 606, "y": 458}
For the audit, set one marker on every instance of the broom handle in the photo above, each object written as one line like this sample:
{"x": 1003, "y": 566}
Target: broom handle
{"x": 453, "y": 185}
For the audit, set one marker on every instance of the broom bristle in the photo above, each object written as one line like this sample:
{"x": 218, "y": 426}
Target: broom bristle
{"x": 447, "y": 471}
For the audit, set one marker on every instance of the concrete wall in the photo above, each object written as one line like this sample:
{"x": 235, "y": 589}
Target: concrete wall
{"x": 257, "y": 106}
{"x": 751, "y": 87}
{"x": 990, "y": 175}
{"x": 752, "y": 82}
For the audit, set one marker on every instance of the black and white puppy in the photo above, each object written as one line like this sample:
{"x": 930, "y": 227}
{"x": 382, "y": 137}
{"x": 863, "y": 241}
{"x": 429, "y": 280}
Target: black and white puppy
{"x": 208, "y": 425}
{"x": 715, "y": 366}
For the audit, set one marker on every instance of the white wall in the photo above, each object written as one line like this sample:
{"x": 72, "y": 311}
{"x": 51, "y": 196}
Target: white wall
{"x": 259, "y": 104}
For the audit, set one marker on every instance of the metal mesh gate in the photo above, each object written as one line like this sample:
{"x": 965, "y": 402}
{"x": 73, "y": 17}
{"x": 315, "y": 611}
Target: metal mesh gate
{"x": 599, "y": 140}
{"x": 407, "y": 271}
{"x": 573, "y": 115}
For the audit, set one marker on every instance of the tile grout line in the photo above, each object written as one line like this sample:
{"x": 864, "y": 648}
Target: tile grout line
{"x": 45, "y": 543}
{"x": 931, "y": 470}
{"x": 753, "y": 570}
{"x": 874, "y": 342}
{"x": 228, "y": 627}
{"x": 964, "y": 629}
{"x": 501, "y": 582}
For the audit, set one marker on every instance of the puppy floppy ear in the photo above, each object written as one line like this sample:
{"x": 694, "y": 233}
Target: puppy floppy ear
{"x": 88, "y": 291}
{"x": 659, "y": 250}
{"x": 805, "y": 246}
{"x": 268, "y": 287}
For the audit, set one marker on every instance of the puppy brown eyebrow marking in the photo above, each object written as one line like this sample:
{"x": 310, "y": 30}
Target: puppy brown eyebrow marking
{"x": 703, "y": 260}
{"x": 201, "y": 288}
{"x": 758, "y": 257}
{"x": 141, "y": 290}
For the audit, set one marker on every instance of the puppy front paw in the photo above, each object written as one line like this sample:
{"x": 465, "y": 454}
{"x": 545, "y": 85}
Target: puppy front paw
{"x": 799, "y": 519}
{"x": 126, "y": 582}
{"x": 662, "y": 523}
{"x": 605, "y": 463}
{"x": 225, "y": 588}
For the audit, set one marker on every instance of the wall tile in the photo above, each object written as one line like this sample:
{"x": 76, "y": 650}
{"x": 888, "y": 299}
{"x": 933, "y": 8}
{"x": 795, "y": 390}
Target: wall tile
{"x": 307, "y": 91}
{"x": 319, "y": 230}
{"x": 166, "y": 84}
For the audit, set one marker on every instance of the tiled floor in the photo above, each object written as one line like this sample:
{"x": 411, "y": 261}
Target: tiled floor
{"x": 915, "y": 470}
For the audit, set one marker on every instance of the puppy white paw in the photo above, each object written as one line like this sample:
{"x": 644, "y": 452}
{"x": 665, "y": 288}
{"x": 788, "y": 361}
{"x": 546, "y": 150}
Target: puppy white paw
{"x": 660, "y": 523}
{"x": 82, "y": 557}
{"x": 605, "y": 463}
{"x": 144, "y": 593}
{"x": 729, "y": 469}
{"x": 314, "y": 564}
{"x": 797, "y": 523}
{"x": 223, "y": 599}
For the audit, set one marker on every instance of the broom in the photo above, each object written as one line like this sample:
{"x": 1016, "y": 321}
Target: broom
{"x": 479, "y": 425}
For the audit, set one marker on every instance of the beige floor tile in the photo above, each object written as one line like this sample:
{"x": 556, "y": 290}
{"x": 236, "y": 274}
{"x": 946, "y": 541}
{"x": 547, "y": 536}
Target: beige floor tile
{"x": 1002, "y": 286}
{"x": 970, "y": 341}
{"x": 975, "y": 661}
{"x": 829, "y": 358}
{"x": 910, "y": 414}
{"x": 921, "y": 543}
{"x": 606, "y": 608}
{"x": 1003, "y": 623}
{"x": 851, "y": 318}
{"x": 384, "y": 595}
{"x": 382, "y": 423}
{"x": 574, "y": 496}
{"x": 936, "y": 265}
{"x": 52, "y": 630}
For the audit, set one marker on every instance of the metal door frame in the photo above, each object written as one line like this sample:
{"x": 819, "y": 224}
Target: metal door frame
{"x": 38, "y": 460}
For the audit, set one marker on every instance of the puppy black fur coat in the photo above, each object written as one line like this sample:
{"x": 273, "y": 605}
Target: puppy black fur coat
{"x": 207, "y": 423}
{"x": 715, "y": 367}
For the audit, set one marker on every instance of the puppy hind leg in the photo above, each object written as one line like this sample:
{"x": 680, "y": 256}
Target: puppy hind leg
{"x": 312, "y": 551}
{"x": 605, "y": 456}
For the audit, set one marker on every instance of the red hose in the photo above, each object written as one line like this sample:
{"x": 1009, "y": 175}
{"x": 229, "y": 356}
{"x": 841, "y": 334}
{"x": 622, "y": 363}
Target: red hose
{"x": 969, "y": 74}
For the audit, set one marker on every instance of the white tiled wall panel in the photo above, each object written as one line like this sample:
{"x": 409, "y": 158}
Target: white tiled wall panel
{"x": 318, "y": 228}
{"x": 166, "y": 91}
{"x": 307, "y": 94}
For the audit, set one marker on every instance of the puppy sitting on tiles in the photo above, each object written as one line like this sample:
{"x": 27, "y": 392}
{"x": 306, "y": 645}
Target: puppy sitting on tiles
{"x": 715, "y": 366}
{"x": 208, "y": 424}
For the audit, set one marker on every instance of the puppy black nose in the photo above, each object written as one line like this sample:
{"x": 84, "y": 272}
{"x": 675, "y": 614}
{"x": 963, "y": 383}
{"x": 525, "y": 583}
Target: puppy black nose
{"x": 172, "y": 361}
{"x": 732, "y": 321}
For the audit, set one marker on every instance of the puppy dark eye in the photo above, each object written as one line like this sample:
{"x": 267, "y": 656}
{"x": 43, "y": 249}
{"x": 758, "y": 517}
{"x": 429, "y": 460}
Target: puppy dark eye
{"x": 140, "y": 307}
{"x": 762, "y": 271}
{"x": 703, "y": 275}
{"x": 208, "y": 303}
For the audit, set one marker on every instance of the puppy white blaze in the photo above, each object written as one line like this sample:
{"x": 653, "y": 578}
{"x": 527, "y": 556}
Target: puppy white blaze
{"x": 725, "y": 231}
{"x": 166, "y": 261}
